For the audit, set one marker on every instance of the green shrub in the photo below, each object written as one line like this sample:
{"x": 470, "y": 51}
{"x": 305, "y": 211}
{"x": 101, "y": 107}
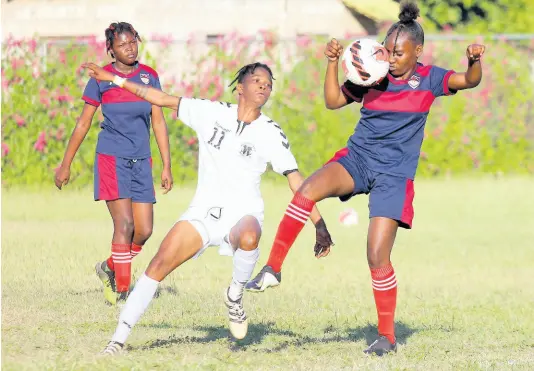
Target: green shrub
{"x": 485, "y": 130}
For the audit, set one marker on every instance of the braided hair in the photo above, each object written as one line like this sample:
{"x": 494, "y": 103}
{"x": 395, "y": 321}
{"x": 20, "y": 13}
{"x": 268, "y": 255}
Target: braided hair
{"x": 114, "y": 30}
{"x": 249, "y": 69}
{"x": 409, "y": 11}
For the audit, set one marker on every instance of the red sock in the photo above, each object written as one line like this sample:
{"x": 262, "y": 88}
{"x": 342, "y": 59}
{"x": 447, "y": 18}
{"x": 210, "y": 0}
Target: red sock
{"x": 122, "y": 261}
{"x": 136, "y": 249}
{"x": 110, "y": 263}
{"x": 295, "y": 217}
{"x": 385, "y": 292}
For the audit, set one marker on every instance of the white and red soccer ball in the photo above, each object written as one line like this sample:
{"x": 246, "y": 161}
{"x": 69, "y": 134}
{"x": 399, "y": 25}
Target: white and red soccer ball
{"x": 348, "y": 217}
{"x": 365, "y": 62}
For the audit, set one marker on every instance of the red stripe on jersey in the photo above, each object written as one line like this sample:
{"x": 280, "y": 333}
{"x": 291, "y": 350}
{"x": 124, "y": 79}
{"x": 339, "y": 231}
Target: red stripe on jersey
{"x": 119, "y": 95}
{"x": 446, "y": 90}
{"x": 402, "y": 101}
{"x": 90, "y": 101}
{"x": 149, "y": 70}
{"x": 423, "y": 71}
{"x": 110, "y": 68}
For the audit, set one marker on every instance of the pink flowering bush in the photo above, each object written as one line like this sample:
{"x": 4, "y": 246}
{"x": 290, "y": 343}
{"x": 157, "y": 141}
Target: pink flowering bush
{"x": 485, "y": 130}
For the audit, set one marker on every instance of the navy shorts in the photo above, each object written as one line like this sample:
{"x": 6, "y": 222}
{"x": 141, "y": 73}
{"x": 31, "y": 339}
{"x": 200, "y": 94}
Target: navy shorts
{"x": 389, "y": 196}
{"x": 117, "y": 177}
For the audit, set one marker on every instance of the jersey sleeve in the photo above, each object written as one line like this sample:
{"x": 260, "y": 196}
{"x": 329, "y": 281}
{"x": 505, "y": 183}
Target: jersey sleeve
{"x": 156, "y": 84}
{"x": 281, "y": 157}
{"x": 193, "y": 111}
{"x": 91, "y": 94}
{"x": 353, "y": 92}
{"x": 439, "y": 81}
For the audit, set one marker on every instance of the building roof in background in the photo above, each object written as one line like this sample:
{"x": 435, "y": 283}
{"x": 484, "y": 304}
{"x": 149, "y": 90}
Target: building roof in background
{"x": 68, "y": 18}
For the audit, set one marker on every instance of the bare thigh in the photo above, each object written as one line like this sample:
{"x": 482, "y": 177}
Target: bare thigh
{"x": 332, "y": 180}
{"x": 180, "y": 244}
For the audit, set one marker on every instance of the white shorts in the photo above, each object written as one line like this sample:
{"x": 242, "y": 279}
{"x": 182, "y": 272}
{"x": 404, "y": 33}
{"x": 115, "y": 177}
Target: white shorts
{"x": 214, "y": 224}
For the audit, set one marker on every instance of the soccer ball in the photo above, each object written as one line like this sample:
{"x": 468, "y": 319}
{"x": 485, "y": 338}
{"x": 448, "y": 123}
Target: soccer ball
{"x": 365, "y": 62}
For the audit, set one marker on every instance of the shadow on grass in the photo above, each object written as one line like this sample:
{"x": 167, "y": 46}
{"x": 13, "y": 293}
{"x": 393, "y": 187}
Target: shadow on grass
{"x": 258, "y": 332}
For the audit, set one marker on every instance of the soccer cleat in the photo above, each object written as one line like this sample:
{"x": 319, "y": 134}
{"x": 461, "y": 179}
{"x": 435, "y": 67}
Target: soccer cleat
{"x": 107, "y": 276}
{"x": 381, "y": 346}
{"x": 121, "y": 298}
{"x": 113, "y": 348}
{"x": 238, "y": 321}
{"x": 266, "y": 278}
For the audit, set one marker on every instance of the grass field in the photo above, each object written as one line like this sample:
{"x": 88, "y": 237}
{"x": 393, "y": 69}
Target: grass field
{"x": 466, "y": 297}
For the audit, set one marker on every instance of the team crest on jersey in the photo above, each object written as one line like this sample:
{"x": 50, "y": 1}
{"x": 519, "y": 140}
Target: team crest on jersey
{"x": 145, "y": 77}
{"x": 414, "y": 81}
{"x": 246, "y": 150}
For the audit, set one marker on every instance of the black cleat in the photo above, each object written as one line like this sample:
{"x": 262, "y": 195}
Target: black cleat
{"x": 381, "y": 346}
{"x": 121, "y": 298}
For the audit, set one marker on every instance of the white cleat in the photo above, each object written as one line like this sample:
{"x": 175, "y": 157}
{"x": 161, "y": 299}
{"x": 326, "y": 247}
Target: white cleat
{"x": 264, "y": 279}
{"x": 112, "y": 349}
{"x": 238, "y": 321}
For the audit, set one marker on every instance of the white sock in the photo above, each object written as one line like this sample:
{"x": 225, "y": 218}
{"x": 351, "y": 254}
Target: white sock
{"x": 135, "y": 306}
{"x": 244, "y": 263}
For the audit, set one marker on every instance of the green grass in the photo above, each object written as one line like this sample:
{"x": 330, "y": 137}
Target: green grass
{"x": 466, "y": 298}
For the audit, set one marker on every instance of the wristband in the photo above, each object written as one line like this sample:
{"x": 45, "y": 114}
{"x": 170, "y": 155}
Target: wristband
{"x": 119, "y": 81}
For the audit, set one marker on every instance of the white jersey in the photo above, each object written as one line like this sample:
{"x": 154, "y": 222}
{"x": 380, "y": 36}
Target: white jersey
{"x": 233, "y": 155}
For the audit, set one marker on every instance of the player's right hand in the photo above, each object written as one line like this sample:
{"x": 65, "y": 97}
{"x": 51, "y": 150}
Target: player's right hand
{"x": 323, "y": 241}
{"x": 62, "y": 176}
{"x": 333, "y": 50}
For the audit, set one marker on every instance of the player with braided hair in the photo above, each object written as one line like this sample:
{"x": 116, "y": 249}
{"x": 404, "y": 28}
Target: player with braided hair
{"x": 123, "y": 166}
{"x": 380, "y": 159}
{"x": 236, "y": 141}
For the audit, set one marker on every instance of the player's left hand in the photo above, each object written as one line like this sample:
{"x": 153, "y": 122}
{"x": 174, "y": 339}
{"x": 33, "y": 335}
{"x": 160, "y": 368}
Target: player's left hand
{"x": 166, "y": 180}
{"x": 474, "y": 52}
{"x": 323, "y": 241}
{"x": 98, "y": 72}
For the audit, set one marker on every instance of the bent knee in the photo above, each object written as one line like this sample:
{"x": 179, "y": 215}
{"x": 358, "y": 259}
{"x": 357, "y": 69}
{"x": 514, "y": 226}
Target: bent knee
{"x": 249, "y": 240}
{"x": 307, "y": 189}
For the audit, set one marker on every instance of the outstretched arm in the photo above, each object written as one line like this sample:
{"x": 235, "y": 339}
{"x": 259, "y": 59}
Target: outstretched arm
{"x": 150, "y": 94}
{"x": 323, "y": 239}
{"x": 472, "y": 77}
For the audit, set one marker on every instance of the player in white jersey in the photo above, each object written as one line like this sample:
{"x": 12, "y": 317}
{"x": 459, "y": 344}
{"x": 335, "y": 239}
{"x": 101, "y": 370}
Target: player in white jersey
{"x": 236, "y": 142}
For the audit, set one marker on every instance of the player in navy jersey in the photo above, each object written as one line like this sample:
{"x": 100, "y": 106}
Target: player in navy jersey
{"x": 380, "y": 159}
{"x": 123, "y": 163}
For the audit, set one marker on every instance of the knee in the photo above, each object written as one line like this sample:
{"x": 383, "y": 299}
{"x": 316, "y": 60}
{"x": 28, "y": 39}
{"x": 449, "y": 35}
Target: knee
{"x": 376, "y": 258}
{"x": 125, "y": 227}
{"x": 142, "y": 234}
{"x": 307, "y": 190}
{"x": 249, "y": 240}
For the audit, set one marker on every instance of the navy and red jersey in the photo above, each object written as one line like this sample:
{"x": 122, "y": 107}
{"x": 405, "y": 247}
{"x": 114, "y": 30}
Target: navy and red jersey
{"x": 126, "y": 127}
{"x": 390, "y": 132}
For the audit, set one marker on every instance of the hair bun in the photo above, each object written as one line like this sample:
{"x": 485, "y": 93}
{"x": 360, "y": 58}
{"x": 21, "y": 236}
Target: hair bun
{"x": 409, "y": 11}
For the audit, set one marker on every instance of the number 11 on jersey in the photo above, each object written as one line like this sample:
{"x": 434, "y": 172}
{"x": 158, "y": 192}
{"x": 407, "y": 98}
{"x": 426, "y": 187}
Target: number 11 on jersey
{"x": 213, "y": 141}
